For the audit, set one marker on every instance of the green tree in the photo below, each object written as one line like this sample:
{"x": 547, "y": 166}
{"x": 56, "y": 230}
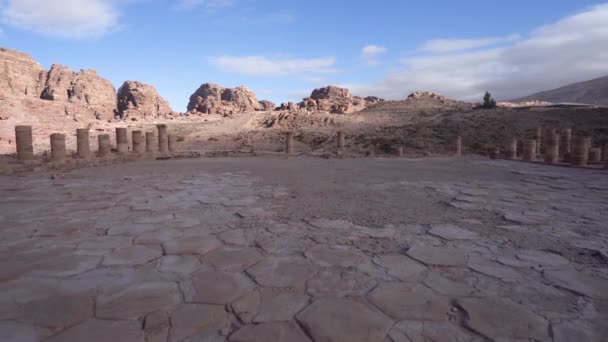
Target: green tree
{"x": 488, "y": 101}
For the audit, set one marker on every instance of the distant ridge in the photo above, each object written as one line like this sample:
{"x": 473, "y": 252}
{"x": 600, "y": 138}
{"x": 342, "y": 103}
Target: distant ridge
{"x": 594, "y": 92}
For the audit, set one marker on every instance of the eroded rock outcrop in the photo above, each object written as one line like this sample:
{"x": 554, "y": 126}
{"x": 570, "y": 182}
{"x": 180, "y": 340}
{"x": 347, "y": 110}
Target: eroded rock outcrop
{"x": 137, "y": 99}
{"x": 21, "y": 75}
{"x": 336, "y": 100}
{"x": 211, "y": 98}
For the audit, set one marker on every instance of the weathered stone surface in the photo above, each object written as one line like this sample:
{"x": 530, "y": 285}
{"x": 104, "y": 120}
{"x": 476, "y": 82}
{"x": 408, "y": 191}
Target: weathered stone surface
{"x": 448, "y": 287}
{"x": 410, "y": 302}
{"x": 131, "y": 256}
{"x": 137, "y": 300}
{"x": 494, "y": 269}
{"x": 22, "y": 76}
{"x": 502, "y": 319}
{"x": 331, "y": 319}
{"x": 137, "y": 99}
{"x": 281, "y": 272}
{"x": 401, "y": 267}
{"x": 179, "y": 264}
{"x": 213, "y": 287}
{"x": 342, "y": 256}
{"x": 276, "y": 331}
{"x": 198, "y": 320}
{"x": 452, "y": 232}
{"x": 568, "y": 331}
{"x": 340, "y": 283}
{"x": 544, "y": 259}
{"x": 416, "y": 331}
{"x": 578, "y": 282}
{"x": 96, "y": 330}
{"x": 14, "y": 331}
{"x": 59, "y": 312}
{"x": 192, "y": 245}
{"x": 268, "y": 304}
{"x": 102, "y": 245}
{"x": 438, "y": 256}
{"x": 66, "y": 266}
{"x": 232, "y": 259}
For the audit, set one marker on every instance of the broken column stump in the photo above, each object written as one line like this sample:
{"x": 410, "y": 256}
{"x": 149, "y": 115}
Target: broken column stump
{"x": 83, "y": 145}
{"x": 122, "y": 140}
{"x": 138, "y": 142}
{"x": 552, "y": 147}
{"x": 163, "y": 140}
{"x": 105, "y": 146}
{"x": 580, "y": 151}
{"x": 151, "y": 142}
{"x": 511, "y": 149}
{"x": 529, "y": 153}
{"x": 289, "y": 143}
{"x": 341, "y": 143}
{"x": 24, "y": 142}
{"x": 458, "y": 146}
{"x": 58, "y": 152}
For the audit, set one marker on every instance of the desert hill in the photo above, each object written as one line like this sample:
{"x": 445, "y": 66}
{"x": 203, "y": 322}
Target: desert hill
{"x": 594, "y": 92}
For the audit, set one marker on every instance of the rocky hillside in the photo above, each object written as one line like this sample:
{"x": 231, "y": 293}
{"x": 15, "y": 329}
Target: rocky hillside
{"x": 211, "y": 98}
{"x": 27, "y": 89}
{"x": 593, "y": 92}
{"x": 333, "y": 100}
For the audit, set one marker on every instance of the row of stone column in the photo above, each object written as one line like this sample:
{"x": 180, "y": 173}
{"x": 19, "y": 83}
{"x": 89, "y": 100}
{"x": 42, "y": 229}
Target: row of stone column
{"x": 342, "y": 145}
{"x": 164, "y": 145}
{"x": 557, "y": 147}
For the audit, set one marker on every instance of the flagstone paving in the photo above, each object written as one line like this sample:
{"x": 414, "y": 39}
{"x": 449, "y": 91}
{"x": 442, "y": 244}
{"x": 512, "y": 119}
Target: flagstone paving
{"x": 305, "y": 249}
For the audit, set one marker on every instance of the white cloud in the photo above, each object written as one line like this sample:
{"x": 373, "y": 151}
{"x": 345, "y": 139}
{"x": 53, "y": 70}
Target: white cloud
{"x": 370, "y": 53}
{"x": 451, "y": 45}
{"x": 64, "y": 18}
{"x": 273, "y": 66}
{"x": 569, "y": 50}
{"x": 210, "y": 5}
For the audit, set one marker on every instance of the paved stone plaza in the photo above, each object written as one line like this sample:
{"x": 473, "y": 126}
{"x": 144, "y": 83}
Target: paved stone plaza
{"x": 305, "y": 249}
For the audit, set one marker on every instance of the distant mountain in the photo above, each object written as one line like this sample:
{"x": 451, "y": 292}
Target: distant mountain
{"x": 590, "y": 92}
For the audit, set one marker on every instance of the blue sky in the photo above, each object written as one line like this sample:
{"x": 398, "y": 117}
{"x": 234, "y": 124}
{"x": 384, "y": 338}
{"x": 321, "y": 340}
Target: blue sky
{"x": 282, "y": 50}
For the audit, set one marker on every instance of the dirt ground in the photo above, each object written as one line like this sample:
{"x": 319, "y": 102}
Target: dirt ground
{"x": 305, "y": 249}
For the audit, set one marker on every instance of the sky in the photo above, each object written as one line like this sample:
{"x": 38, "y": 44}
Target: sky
{"x": 282, "y": 50}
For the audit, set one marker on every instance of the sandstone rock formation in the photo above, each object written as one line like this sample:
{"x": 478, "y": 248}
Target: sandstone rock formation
{"x": 21, "y": 76}
{"x": 336, "y": 100}
{"x": 211, "y": 98}
{"x": 25, "y": 85}
{"x": 137, "y": 99}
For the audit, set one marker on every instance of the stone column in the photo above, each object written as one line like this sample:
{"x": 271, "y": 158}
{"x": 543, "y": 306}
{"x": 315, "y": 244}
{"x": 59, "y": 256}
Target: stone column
{"x": 122, "y": 141}
{"x": 538, "y": 136}
{"x": 105, "y": 146}
{"x": 458, "y": 146}
{"x": 163, "y": 139}
{"x": 289, "y": 142}
{"x": 341, "y": 143}
{"x": 151, "y": 142}
{"x": 595, "y": 155}
{"x": 58, "y": 147}
{"x": 580, "y": 151}
{"x": 565, "y": 143}
{"x": 172, "y": 142}
{"x": 400, "y": 151}
{"x": 138, "y": 142}
{"x": 552, "y": 148}
{"x": 530, "y": 150}
{"x": 605, "y": 152}
{"x": 25, "y": 143}
{"x": 83, "y": 146}
{"x": 511, "y": 149}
